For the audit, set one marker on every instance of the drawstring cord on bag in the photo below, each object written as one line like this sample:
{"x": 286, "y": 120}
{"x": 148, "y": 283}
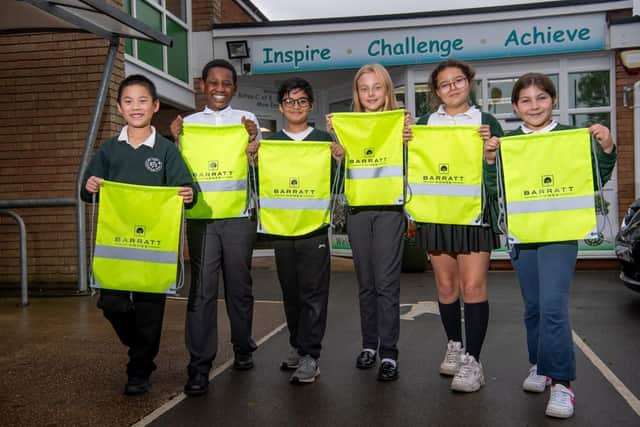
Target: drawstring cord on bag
{"x": 503, "y": 226}
{"x": 335, "y": 192}
{"x": 252, "y": 195}
{"x": 92, "y": 239}
{"x": 181, "y": 275}
{"x": 599, "y": 190}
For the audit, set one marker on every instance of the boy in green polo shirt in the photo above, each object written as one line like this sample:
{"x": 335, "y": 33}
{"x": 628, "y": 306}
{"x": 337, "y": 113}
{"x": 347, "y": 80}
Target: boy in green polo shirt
{"x": 139, "y": 155}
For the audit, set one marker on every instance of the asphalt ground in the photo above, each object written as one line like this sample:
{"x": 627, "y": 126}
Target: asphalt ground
{"x": 606, "y": 321}
{"x": 61, "y": 364}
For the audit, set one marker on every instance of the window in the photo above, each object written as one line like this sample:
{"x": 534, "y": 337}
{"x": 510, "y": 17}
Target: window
{"x": 589, "y": 98}
{"x": 169, "y": 17}
{"x": 399, "y": 92}
{"x": 341, "y": 106}
{"x": 499, "y": 96}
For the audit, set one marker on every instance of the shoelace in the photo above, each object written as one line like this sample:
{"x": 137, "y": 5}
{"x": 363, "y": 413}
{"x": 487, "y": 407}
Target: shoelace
{"x": 307, "y": 364}
{"x": 466, "y": 367}
{"x": 452, "y": 356}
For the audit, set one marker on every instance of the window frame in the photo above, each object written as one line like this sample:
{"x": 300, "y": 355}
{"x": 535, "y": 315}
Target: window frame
{"x": 165, "y": 14}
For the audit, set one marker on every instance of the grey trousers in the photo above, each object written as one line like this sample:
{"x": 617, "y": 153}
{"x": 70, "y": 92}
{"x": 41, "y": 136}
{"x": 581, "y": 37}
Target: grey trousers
{"x": 376, "y": 238}
{"x": 219, "y": 245}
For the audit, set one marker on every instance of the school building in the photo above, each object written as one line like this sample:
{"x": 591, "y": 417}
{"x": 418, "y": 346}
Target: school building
{"x": 591, "y": 50}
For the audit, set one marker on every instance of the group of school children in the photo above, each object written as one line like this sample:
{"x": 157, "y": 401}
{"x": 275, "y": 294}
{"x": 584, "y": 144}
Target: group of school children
{"x": 459, "y": 254}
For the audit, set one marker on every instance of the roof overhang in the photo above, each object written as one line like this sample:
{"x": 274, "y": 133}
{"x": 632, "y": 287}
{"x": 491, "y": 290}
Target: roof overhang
{"x": 91, "y": 16}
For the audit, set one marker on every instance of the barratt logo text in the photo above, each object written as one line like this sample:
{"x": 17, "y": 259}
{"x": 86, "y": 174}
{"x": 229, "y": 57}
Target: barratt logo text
{"x": 548, "y": 188}
{"x": 212, "y": 173}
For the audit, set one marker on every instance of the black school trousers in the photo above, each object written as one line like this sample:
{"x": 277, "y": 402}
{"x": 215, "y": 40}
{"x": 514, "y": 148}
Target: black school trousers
{"x": 137, "y": 319}
{"x": 219, "y": 246}
{"x": 304, "y": 270}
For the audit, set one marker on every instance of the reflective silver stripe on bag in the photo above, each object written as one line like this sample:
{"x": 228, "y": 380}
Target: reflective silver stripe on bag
{"x": 446, "y": 190}
{"x": 383, "y": 172}
{"x": 550, "y": 205}
{"x": 295, "y": 204}
{"x": 131, "y": 254}
{"x": 213, "y": 186}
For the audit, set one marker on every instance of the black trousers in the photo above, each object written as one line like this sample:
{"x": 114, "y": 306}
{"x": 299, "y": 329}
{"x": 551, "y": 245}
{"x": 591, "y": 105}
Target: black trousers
{"x": 376, "y": 239}
{"x": 137, "y": 319}
{"x": 224, "y": 245}
{"x": 304, "y": 270}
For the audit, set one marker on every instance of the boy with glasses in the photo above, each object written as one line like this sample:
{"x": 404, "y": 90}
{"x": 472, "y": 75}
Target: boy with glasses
{"x": 303, "y": 262}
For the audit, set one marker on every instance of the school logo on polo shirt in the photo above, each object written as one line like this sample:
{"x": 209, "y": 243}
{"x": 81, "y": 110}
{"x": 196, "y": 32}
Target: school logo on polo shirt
{"x": 153, "y": 164}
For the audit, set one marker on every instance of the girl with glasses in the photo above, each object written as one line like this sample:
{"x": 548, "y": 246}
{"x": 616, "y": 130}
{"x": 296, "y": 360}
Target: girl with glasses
{"x": 460, "y": 253}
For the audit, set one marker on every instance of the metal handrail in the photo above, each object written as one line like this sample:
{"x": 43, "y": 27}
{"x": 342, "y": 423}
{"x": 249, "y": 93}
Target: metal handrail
{"x": 24, "y": 291}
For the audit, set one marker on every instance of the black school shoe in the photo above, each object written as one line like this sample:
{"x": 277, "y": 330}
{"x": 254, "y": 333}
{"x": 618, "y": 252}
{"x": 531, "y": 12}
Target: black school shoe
{"x": 366, "y": 360}
{"x": 242, "y": 362}
{"x": 388, "y": 371}
{"x": 197, "y": 385}
{"x": 136, "y": 386}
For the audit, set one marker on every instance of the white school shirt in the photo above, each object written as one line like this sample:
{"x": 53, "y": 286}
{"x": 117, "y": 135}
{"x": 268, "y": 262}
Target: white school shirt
{"x": 227, "y": 116}
{"x": 149, "y": 142}
{"x": 298, "y": 136}
{"x": 472, "y": 116}
{"x": 547, "y": 128}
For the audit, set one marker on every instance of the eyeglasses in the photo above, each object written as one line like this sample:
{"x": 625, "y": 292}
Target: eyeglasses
{"x": 302, "y": 102}
{"x": 459, "y": 82}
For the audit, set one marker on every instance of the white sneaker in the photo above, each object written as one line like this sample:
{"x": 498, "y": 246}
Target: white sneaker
{"x": 451, "y": 363}
{"x": 560, "y": 402}
{"x": 470, "y": 377}
{"x": 535, "y": 383}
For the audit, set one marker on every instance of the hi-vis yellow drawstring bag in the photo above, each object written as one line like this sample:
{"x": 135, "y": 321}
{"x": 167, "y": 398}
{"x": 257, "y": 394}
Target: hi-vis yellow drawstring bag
{"x": 445, "y": 175}
{"x": 216, "y": 157}
{"x": 373, "y": 156}
{"x": 138, "y": 238}
{"x": 294, "y": 186}
{"x": 548, "y": 186}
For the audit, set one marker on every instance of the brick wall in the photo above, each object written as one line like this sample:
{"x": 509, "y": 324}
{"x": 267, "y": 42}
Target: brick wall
{"x": 624, "y": 127}
{"x": 625, "y": 138}
{"x": 232, "y": 13}
{"x": 206, "y": 12}
{"x": 49, "y": 84}
{"x": 203, "y": 13}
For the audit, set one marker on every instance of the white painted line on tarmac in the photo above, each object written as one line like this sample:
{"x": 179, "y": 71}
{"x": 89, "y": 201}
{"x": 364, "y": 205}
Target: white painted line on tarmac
{"x": 626, "y": 394}
{"x": 148, "y": 419}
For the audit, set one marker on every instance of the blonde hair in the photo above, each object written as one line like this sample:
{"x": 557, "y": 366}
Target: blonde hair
{"x": 390, "y": 102}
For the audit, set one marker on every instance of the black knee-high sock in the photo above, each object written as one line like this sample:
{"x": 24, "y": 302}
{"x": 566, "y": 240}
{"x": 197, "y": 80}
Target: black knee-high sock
{"x": 451, "y": 319}
{"x": 476, "y": 319}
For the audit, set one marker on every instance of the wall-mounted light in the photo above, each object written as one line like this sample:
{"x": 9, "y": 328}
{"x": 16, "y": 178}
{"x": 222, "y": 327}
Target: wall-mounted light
{"x": 631, "y": 59}
{"x": 238, "y": 49}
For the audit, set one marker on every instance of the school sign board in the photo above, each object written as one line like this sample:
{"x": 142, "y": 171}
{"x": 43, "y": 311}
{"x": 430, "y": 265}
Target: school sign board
{"x": 418, "y": 45}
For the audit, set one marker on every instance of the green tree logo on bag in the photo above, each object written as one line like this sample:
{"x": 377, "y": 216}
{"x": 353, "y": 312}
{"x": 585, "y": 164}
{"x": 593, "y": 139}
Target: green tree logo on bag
{"x": 139, "y": 230}
{"x": 547, "y": 180}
